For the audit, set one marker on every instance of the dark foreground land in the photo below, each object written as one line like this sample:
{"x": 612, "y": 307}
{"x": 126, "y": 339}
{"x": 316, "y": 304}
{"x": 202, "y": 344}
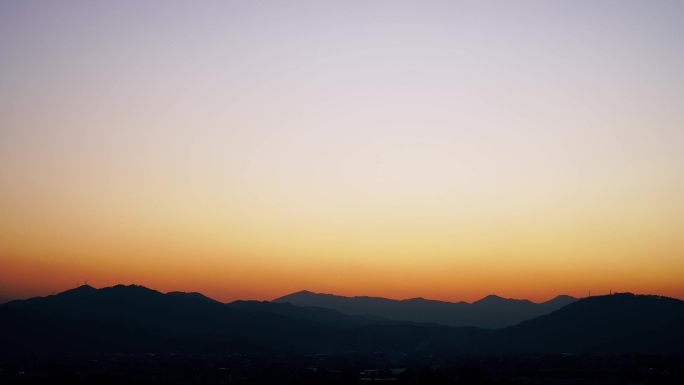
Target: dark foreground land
{"x": 135, "y": 335}
{"x": 342, "y": 368}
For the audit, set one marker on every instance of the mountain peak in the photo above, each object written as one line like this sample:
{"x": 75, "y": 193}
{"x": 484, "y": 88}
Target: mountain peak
{"x": 304, "y": 292}
{"x": 78, "y": 291}
{"x": 131, "y": 288}
{"x": 490, "y": 299}
{"x": 300, "y": 295}
{"x": 562, "y": 298}
{"x": 495, "y": 300}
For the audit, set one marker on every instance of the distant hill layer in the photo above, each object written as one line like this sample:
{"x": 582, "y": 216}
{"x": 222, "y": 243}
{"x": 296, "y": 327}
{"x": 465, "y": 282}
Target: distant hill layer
{"x": 489, "y": 312}
{"x": 138, "y": 319}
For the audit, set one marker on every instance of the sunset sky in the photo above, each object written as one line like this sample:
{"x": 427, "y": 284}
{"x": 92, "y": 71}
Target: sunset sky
{"x": 250, "y": 149}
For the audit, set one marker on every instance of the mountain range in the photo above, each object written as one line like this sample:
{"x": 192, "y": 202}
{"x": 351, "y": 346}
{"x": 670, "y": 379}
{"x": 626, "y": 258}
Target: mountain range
{"x": 489, "y": 312}
{"x": 138, "y": 319}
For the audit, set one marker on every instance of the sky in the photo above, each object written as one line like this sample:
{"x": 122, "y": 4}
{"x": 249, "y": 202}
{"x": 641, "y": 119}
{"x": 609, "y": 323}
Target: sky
{"x": 250, "y": 149}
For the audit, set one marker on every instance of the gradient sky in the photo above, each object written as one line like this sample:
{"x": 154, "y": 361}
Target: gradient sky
{"x": 246, "y": 150}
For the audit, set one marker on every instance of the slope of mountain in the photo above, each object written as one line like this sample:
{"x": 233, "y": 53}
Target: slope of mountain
{"x": 193, "y": 295}
{"x": 556, "y": 303}
{"x": 489, "y": 312}
{"x": 309, "y": 313}
{"x": 623, "y": 322}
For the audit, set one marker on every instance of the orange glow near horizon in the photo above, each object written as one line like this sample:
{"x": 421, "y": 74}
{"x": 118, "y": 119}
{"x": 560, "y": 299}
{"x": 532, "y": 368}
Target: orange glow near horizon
{"x": 247, "y": 151}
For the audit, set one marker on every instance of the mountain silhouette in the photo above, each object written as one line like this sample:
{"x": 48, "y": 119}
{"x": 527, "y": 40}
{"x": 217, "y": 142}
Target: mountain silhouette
{"x": 138, "y": 319}
{"x": 309, "y": 313}
{"x": 489, "y": 312}
{"x": 621, "y": 322}
{"x": 193, "y": 295}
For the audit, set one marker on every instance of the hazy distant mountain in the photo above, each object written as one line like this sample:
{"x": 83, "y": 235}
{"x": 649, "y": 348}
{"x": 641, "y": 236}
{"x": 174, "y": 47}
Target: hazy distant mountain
{"x": 138, "y": 319}
{"x": 557, "y": 303}
{"x": 309, "y": 313}
{"x": 489, "y": 312}
{"x": 618, "y": 323}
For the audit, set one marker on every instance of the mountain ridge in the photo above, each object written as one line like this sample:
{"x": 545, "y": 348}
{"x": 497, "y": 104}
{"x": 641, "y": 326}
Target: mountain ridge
{"x": 137, "y": 319}
{"x": 309, "y": 292}
{"x": 491, "y": 311}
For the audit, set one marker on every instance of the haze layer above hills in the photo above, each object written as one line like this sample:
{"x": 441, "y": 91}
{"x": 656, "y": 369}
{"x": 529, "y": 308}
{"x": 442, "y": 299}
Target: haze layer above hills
{"x": 138, "y": 319}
